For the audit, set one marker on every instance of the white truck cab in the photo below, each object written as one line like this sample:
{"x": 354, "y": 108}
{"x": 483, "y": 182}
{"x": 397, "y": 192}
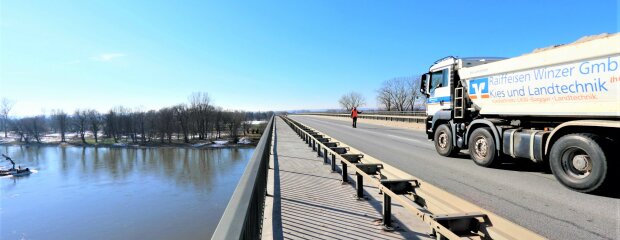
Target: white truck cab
{"x": 441, "y": 77}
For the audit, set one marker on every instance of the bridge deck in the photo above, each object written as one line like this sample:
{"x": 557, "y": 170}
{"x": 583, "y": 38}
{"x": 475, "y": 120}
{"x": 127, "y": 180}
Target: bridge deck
{"x": 309, "y": 201}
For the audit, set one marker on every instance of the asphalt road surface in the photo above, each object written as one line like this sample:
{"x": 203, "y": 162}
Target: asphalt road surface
{"x": 522, "y": 192}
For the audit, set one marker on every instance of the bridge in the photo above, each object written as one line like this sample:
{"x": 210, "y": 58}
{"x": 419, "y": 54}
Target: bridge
{"x": 315, "y": 177}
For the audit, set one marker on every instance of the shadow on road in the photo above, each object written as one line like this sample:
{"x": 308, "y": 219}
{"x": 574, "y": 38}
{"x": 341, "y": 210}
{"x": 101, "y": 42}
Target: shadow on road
{"x": 512, "y": 164}
{"x": 523, "y": 165}
{"x": 383, "y": 128}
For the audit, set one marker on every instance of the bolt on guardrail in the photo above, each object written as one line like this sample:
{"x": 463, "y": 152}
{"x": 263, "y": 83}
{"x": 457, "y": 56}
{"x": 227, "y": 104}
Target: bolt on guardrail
{"x": 448, "y": 216}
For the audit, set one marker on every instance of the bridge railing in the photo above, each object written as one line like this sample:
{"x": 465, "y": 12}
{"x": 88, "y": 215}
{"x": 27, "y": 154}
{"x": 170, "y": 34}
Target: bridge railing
{"x": 410, "y": 117}
{"x": 243, "y": 216}
{"x": 448, "y": 216}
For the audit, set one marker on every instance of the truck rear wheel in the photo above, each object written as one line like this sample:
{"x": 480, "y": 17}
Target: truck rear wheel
{"x": 482, "y": 147}
{"x": 443, "y": 141}
{"x": 579, "y": 162}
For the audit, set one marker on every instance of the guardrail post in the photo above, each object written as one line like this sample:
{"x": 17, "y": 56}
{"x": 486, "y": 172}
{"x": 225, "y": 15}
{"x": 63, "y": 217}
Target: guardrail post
{"x": 309, "y": 140}
{"x": 318, "y": 149}
{"x": 345, "y": 179}
{"x": 360, "y": 185}
{"x": 313, "y": 145}
{"x": 387, "y": 211}
{"x": 333, "y": 162}
{"x": 324, "y": 155}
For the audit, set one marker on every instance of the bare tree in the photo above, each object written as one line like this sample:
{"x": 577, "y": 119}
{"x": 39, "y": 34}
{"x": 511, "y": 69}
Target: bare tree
{"x": 414, "y": 92}
{"x": 126, "y": 123}
{"x": 80, "y": 121}
{"x": 200, "y": 109}
{"x": 399, "y": 92}
{"x": 396, "y": 93}
{"x": 150, "y": 119}
{"x": 351, "y": 100}
{"x": 30, "y": 127}
{"x": 60, "y": 119}
{"x": 234, "y": 123}
{"x": 111, "y": 125}
{"x": 94, "y": 121}
{"x": 384, "y": 98}
{"x": 219, "y": 121}
{"x": 20, "y": 127}
{"x": 5, "y": 107}
{"x": 166, "y": 123}
{"x": 38, "y": 127}
{"x": 246, "y": 124}
{"x": 140, "y": 121}
{"x": 182, "y": 115}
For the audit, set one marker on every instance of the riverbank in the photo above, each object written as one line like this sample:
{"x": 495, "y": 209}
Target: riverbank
{"x": 245, "y": 142}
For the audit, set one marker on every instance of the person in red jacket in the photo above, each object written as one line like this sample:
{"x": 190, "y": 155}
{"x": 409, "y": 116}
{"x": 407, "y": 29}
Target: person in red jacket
{"x": 354, "y": 113}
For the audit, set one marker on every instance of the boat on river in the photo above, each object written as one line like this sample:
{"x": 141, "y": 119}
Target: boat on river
{"x": 15, "y": 172}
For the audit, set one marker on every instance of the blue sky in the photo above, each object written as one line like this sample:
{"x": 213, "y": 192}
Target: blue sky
{"x": 258, "y": 55}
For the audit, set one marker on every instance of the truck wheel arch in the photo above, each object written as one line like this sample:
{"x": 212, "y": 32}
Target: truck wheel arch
{"x": 564, "y": 128}
{"x": 436, "y": 120}
{"x": 440, "y": 117}
{"x": 484, "y": 123}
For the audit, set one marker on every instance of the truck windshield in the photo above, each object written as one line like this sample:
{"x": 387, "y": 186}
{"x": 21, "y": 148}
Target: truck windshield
{"x": 438, "y": 79}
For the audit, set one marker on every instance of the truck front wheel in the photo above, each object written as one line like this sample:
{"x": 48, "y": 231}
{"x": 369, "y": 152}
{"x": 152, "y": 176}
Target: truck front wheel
{"x": 579, "y": 162}
{"x": 482, "y": 147}
{"x": 443, "y": 141}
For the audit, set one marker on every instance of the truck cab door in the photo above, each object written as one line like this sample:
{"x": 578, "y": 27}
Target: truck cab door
{"x": 439, "y": 92}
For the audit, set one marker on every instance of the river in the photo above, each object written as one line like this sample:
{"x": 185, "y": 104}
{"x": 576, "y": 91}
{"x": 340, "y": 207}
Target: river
{"x": 117, "y": 193}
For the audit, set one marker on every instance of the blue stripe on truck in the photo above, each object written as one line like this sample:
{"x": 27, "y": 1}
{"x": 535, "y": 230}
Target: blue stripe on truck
{"x": 439, "y": 99}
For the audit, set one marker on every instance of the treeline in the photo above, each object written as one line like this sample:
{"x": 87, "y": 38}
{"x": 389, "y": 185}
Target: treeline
{"x": 401, "y": 94}
{"x": 196, "y": 120}
{"x": 396, "y": 94}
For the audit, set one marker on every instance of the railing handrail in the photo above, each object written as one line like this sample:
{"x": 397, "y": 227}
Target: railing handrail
{"x": 374, "y": 112}
{"x": 234, "y": 221}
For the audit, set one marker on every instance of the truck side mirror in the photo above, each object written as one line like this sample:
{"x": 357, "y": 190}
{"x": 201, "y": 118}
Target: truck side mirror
{"x": 424, "y": 82}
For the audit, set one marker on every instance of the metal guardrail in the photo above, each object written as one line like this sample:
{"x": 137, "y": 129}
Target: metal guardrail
{"x": 398, "y": 113}
{"x": 379, "y": 112}
{"x": 243, "y": 216}
{"x": 364, "y": 115}
{"x": 448, "y": 216}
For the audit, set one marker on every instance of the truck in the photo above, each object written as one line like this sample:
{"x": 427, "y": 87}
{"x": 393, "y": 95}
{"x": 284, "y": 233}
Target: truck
{"x": 558, "y": 105}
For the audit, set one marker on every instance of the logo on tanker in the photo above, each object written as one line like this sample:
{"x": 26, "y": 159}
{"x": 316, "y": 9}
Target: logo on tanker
{"x": 479, "y": 88}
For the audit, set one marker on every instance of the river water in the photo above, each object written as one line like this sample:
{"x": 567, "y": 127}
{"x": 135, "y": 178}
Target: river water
{"x": 113, "y": 193}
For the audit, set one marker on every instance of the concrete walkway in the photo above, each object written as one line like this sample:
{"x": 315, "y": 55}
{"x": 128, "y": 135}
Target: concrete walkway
{"x": 309, "y": 201}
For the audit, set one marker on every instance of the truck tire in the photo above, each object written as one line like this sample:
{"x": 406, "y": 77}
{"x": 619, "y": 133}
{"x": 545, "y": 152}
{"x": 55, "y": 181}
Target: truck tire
{"x": 579, "y": 162}
{"x": 443, "y": 141}
{"x": 482, "y": 147}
